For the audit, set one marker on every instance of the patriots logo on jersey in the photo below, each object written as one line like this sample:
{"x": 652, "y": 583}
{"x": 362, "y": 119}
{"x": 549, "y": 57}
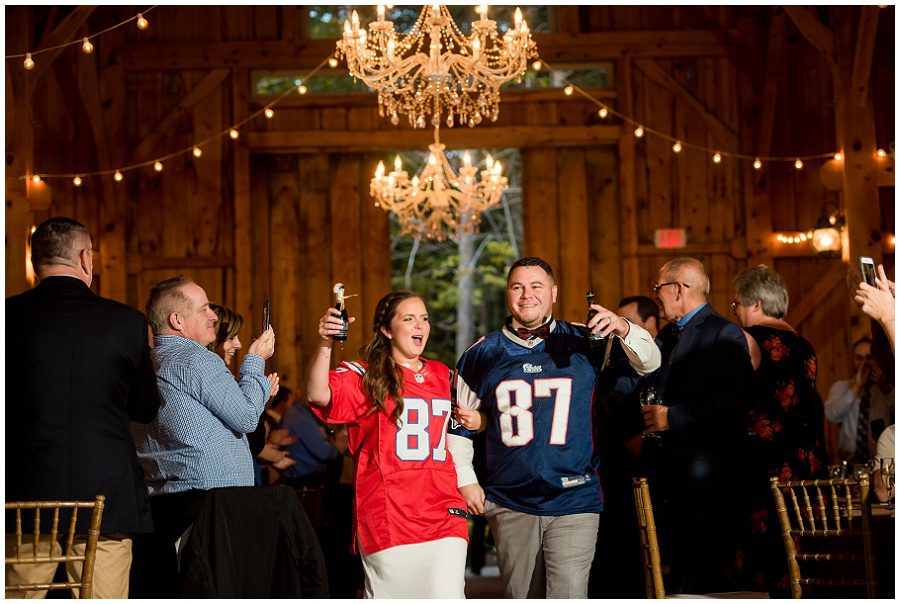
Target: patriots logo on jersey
{"x": 529, "y": 368}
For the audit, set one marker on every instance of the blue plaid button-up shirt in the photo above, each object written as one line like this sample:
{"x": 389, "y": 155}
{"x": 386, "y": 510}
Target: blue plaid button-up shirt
{"x": 198, "y": 440}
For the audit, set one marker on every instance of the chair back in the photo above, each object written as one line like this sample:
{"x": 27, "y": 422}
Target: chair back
{"x": 826, "y": 526}
{"x": 649, "y": 544}
{"x": 33, "y": 554}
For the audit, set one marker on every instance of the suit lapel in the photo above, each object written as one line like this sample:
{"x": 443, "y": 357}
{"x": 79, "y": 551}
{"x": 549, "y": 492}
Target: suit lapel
{"x": 690, "y": 333}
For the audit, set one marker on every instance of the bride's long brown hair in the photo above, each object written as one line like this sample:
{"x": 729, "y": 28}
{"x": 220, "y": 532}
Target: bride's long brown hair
{"x": 383, "y": 378}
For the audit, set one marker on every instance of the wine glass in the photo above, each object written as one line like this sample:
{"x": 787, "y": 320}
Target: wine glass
{"x": 886, "y": 467}
{"x": 649, "y": 397}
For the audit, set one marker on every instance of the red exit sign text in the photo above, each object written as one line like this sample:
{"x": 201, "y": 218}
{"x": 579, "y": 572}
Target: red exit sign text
{"x": 670, "y": 238}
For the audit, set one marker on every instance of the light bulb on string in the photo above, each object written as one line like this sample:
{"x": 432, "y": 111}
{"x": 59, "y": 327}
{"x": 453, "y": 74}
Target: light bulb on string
{"x": 234, "y": 134}
{"x": 76, "y": 181}
{"x": 157, "y": 165}
{"x": 838, "y": 156}
{"x": 36, "y": 179}
{"x": 639, "y": 132}
{"x": 118, "y": 176}
{"x": 717, "y": 158}
{"x": 881, "y": 153}
{"x": 28, "y": 63}
{"x": 142, "y": 23}
{"x": 603, "y": 113}
{"x": 197, "y": 151}
{"x": 301, "y": 89}
{"x": 87, "y": 47}
{"x": 537, "y": 65}
{"x": 270, "y": 113}
{"x": 676, "y": 148}
{"x": 332, "y": 62}
{"x": 757, "y": 164}
{"x": 568, "y": 90}
{"x": 798, "y": 164}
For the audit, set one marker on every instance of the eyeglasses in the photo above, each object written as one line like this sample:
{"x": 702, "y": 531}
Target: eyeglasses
{"x": 659, "y": 286}
{"x": 735, "y": 304}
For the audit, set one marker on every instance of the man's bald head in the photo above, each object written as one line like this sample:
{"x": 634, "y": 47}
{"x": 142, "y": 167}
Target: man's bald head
{"x": 689, "y": 271}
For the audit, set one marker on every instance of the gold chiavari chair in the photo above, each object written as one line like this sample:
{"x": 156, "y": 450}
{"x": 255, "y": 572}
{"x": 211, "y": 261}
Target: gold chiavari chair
{"x": 45, "y": 548}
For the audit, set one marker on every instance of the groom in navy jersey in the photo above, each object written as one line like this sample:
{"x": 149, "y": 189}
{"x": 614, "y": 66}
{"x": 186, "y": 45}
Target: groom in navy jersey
{"x": 533, "y": 381}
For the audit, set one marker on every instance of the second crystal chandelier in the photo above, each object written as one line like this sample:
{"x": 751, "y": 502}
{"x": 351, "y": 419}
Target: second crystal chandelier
{"x": 457, "y": 80}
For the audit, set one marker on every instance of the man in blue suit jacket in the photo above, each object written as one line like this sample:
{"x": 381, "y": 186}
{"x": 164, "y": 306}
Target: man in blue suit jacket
{"x": 704, "y": 385}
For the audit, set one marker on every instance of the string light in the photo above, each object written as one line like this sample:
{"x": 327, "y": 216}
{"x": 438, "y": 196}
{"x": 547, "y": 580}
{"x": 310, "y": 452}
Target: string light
{"x": 569, "y": 90}
{"x": 793, "y": 237}
{"x": 234, "y": 134}
{"x": 118, "y": 176}
{"x": 639, "y": 132}
{"x": 87, "y": 47}
{"x": 757, "y": 164}
{"x": 677, "y": 147}
{"x": 157, "y": 165}
{"x": 603, "y": 112}
{"x": 142, "y": 23}
{"x": 197, "y": 152}
{"x": 537, "y": 65}
{"x": 332, "y": 62}
{"x": 838, "y": 156}
{"x": 302, "y": 89}
{"x": 798, "y": 164}
{"x": 36, "y": 179}
{"x": 881, "y": 153}
{"x": 76, "y": 181}
{"x": 270, "y": 113}
{"x": 28, "y": 63}
{"x": 717, "y": 158}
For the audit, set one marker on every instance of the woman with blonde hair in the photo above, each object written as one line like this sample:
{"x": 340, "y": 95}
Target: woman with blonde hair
{"x": 411, "y": 526}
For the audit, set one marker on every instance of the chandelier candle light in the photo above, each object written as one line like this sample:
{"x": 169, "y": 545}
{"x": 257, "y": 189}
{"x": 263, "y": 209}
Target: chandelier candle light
{"x": 438, "y": 202}
{"x": 458, "y": 74}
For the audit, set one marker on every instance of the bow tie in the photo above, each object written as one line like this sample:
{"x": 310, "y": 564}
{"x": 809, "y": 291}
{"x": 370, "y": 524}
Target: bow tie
{"x": 541, "y": 331}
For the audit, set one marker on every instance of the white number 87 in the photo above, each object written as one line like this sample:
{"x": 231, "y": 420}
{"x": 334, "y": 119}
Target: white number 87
{"x": 515, "y": 398}
{"x": 413, "y": 440}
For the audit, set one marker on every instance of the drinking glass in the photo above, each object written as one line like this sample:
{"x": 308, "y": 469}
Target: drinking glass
{"x": 649, "y": 397}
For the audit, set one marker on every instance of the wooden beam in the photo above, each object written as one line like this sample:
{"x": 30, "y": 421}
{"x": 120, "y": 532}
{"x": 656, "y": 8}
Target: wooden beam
{"x": 62, "y": 33}
{"x": 457, "y": 138}
{"x": 163, "y": 127}
{"x": 812, "y": 299}
{"x": 628, "y": 210}
{"x": 773, "y": 75}
{"x": 831, "y": 173}
{"x": 812, "y": 29}
{"x": 862, "y": 58}
{"x": 661, "y": 77}
{"x": 556, "y": 47}
{"x": 243, "y": 218}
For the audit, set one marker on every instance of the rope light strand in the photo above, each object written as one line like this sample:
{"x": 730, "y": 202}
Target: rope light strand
{"x": 641, "y": 130}
{"x": 158, "y": 162}
{"x": 84, "y": 40}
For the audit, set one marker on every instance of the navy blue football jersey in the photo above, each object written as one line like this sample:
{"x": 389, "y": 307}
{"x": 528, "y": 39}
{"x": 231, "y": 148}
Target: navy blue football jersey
{"x": 537, "y": 397}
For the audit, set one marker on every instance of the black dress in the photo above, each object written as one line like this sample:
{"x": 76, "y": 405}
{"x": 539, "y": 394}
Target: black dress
{"x": 785, "y": 433}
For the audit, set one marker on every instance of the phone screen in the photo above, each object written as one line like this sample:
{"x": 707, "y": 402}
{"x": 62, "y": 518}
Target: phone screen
{"x": 267, "y": 308}
{"x": 867, "y": 268}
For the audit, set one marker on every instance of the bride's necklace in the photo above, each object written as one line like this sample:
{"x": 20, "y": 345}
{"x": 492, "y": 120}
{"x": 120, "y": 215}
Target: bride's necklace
{"x": 417, "y": 373}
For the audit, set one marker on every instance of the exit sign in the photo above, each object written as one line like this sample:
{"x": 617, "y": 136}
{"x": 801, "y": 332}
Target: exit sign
{"x": 670, "y": 238}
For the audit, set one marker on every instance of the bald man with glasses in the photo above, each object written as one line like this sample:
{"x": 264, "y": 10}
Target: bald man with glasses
{"x": 702, "y": 385}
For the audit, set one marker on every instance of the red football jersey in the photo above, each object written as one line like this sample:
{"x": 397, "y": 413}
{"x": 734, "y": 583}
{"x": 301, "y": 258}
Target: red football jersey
{"x": 405, "y": 478}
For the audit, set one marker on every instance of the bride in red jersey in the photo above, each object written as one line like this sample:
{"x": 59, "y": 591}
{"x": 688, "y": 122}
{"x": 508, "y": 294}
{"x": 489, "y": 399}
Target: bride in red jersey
{"x": 411, "y": 527}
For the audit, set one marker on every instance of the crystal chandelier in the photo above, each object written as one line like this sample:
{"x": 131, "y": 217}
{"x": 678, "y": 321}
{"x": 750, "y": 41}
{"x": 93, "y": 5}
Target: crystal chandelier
{"x": 435, "y": 68}
{"x": 438, "y": 202}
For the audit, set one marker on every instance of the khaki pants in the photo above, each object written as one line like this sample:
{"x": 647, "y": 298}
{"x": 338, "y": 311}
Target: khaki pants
{"x": 111, "y": 568}
{"x": 543, "y": 556}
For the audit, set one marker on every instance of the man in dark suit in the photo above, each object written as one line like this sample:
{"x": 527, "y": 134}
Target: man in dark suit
{"x": 703, "y": 386}
{"x": 77, "y": 371}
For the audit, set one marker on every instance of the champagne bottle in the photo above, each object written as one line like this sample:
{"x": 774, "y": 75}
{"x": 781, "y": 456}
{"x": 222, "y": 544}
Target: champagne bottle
{"x": 341, "y": 306}
{"x": 595, "y": 339}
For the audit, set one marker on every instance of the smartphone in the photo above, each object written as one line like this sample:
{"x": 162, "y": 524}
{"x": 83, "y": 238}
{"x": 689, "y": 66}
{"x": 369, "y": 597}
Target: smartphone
{"x": 867, "y": 270}
{"x": 267, "y": 314}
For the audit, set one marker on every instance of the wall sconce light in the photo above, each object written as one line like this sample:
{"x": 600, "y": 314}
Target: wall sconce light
{"x": 826, "y": 237}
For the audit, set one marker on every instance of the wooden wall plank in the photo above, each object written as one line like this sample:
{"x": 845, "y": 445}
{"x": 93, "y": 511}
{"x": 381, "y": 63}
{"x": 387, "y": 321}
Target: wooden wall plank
{"x": 574, "y": 277}
{"x": 286, "y": 266}
{"x": 540, "y": 212}
{"x": 376, "y": 247}
{"x": 346, "y": 244}
{"x": 631, "y": 275}
{"x": 243, "y": 221}
{"x": 605, "y": 224}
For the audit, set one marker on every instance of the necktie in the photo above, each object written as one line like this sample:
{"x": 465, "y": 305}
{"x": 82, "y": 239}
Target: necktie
{"x": 541, "y": 331}
{"x": 862, "y": 427}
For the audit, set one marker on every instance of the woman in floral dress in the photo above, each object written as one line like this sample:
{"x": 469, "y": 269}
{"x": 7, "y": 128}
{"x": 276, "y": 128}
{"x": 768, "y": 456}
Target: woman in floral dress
{"x": 785, "y": 425}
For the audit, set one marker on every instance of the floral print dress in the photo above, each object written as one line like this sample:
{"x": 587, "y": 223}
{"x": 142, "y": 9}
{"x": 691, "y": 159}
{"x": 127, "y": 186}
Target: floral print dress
{"x": 785, "y": 433}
